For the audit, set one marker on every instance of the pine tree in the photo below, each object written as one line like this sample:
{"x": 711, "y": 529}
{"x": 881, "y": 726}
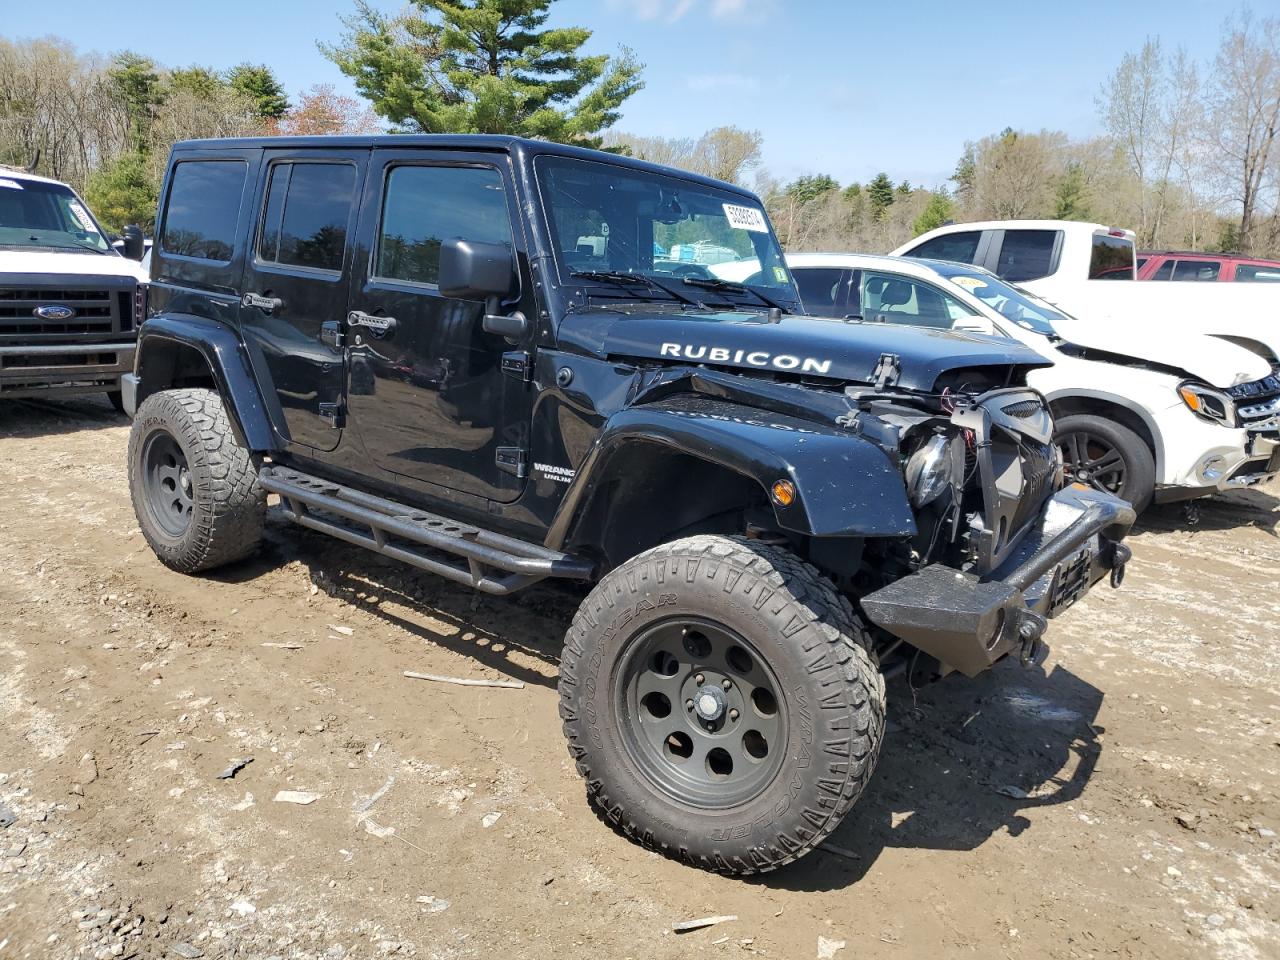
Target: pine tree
{"x": 138, "y": 84}
{"x": 880, "y": 192}
{"x": 259, "y": 85}
{"x": 122, "y": 192}
{"x": 936, "y": 212}
{"x": 484, "y": 66}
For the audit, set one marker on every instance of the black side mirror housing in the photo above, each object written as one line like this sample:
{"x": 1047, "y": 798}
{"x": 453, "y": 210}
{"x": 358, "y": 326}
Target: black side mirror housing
{"x": 482, "y": 271}
{"x": 134, "y": 242}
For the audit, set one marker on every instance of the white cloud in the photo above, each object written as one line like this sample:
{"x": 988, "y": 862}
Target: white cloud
{"x": 702, "y": 82}
{"x": 671, "y": 11}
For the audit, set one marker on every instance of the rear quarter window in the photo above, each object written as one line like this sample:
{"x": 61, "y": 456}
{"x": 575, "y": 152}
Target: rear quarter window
{"x": 1112, "y": 258}
{"x": 1257, "y": 273}
{"x": 203, "y": 209}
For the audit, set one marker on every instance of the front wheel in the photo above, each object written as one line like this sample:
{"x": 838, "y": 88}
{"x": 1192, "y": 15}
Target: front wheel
{"x": 721, "y": 701}
{"x": 1107, "y": 456}
{"x": 194, "y": 488}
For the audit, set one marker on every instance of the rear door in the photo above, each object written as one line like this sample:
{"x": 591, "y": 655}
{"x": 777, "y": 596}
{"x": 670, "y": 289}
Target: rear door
{"x": 296, "y": 285}
{"x": 823, "y": 290}
{"x": 432, "y": 395}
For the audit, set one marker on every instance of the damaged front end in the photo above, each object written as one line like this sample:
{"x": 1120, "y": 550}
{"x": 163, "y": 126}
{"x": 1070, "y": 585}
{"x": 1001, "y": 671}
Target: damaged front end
{"x": 1002, "y": 549}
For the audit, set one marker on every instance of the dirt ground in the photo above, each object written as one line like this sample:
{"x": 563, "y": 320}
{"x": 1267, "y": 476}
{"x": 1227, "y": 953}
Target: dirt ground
{"x": 1120, "y": 800}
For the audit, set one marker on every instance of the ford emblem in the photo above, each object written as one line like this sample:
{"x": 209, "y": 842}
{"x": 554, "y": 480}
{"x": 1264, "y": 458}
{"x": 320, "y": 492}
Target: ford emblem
{"x": 54, "y": 311}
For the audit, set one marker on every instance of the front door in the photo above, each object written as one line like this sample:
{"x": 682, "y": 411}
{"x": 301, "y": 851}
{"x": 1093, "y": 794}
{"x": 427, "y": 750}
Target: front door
{"x": 296, "y": 284}
{"x": 429, "y": 393}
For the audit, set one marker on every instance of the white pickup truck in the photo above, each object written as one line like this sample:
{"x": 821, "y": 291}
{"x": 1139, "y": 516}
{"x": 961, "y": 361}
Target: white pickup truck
{"x": 1088, "y": 271}
{"x": 70, "y": 304}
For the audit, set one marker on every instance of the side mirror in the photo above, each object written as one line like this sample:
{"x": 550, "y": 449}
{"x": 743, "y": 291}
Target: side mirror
{"x": 134, "y": 242}
{"x": 482, "y": 271}
{"x": 981, "y": 325}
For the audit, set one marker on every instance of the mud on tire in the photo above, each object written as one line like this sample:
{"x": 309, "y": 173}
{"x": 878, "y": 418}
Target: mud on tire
{"x": 194, "y": 487}
{"x": 830, "y": 698}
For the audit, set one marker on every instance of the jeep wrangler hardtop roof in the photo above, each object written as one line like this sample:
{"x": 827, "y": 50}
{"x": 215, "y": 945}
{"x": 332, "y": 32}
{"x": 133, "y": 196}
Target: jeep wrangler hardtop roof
{"x": 499, "y": 143}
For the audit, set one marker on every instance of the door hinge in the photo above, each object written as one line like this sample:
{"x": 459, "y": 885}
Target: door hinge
{"x": 332, "y": 336}
{"x": 518, "y": 364}
{"x": 331, "y": 413}
{"x": 513, "y": 460}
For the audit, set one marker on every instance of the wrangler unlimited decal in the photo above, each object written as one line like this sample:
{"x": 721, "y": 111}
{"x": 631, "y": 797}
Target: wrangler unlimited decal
{"x": 752, "y": 358}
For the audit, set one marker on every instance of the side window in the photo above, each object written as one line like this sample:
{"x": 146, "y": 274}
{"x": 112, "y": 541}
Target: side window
{"x": 1164, "y": 271}
{"x": 1111, "y": 258}
{"x": 304, "y": 223}
{"x": 203, "y": 209}
{"x": 1196, "y": 270}
{"x": 887, "y": 298}
{"x": 819, "y": 288}
{"x": 958, "y": 247}
{"x": 1257, "y": 273}
{"x": 1141, "y": 262}
{"x": 423, "y": 206}
{"x": 1027, "y": 254}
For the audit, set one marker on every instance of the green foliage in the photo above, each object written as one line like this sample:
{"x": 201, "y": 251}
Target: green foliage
{"x": 484, "y": 66}
{"x": 1069, "y": 202}
{"x": 937, "y": 212}
{"x": 852, "y": 192}
{"x": 1228, "y": 236}
{"x": 880, "y": 192}
{"x": 138, "y": 84}
{"x": 904, "y": 188}
{"x": 805, "y": 189}
{"x": 123, "y": 192}
{"x": 259, "y": 85}
{"x": 199, "y": 81}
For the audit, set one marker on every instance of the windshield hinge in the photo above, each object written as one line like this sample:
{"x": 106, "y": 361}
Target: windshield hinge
{"x": 518, "y": 364}
{"x": 513, "y": 460}
{"x": 887, "y": 371}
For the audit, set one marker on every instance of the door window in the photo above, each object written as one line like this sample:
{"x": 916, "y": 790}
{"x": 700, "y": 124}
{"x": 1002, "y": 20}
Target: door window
{"x": 203, "y": 209}
{"x": 1111, "y": 258}
{"x": 1196, "y": 270}
{"x": 1027, "y": 254}
{"x": 958, "y": 247}
{"x": 305, "y": 219}
{"x": 819, "y": 288}
{"x": 890, "y": 298}
{"x": 424, "y": 206}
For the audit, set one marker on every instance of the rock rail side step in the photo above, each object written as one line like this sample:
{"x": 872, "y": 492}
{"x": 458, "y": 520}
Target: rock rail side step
{"x": 494, "y": 563}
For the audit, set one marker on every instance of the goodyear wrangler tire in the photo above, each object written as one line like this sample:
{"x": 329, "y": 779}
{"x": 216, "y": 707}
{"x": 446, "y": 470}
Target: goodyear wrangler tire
{"x": 721, "y": 701}
{"x": 195, "y": 490}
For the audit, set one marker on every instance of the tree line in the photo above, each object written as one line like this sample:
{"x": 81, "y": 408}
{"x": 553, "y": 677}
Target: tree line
{"x": 1188, "y": 157}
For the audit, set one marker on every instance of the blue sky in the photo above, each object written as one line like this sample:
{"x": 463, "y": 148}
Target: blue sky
{"x": 845, "y": 88}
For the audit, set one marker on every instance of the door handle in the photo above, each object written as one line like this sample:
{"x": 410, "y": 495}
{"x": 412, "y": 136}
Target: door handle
{"x": 380, "y": 328}
{"x": 265, "y": 304}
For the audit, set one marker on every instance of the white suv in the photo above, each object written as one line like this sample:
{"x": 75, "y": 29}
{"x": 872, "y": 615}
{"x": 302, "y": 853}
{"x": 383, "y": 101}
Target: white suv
{"x": 1169, "y": 419}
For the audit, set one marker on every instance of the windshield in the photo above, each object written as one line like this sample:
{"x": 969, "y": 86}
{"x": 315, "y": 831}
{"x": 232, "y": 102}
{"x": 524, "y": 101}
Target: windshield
{"x": 38, "y": 214}
{"x": 1013, "y": 303}
{"x": 606, "y": 218}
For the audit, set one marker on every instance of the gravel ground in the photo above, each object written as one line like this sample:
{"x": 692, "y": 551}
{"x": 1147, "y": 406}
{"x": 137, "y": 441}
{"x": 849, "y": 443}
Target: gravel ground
{"x": 1121, "y": 799}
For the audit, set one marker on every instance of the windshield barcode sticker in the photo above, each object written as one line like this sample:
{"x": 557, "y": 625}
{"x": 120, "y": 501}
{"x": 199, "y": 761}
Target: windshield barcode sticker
{"x": 81, "y": 214}
{"x": 745, "y": 218}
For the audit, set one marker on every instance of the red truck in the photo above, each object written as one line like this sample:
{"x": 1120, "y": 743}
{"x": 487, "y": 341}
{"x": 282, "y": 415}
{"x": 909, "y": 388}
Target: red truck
{"x": 1201, "y": 266}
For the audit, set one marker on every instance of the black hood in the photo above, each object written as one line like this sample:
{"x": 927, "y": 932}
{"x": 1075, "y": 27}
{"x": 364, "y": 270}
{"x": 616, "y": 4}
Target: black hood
{"x": 806, "y": 346}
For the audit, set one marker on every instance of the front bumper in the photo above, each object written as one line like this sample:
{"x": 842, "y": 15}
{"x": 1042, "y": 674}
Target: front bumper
{"x": 1258, "y": 461}
{"x": 62, "y": 369}
{"x": 968, "y": 623}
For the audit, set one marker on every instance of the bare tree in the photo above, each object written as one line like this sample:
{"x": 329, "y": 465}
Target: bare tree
{"x": 726, "y": 153}
{"x": 1243, "y": 119}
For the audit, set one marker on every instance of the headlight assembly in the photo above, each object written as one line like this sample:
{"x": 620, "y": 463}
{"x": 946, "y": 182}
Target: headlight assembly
{"x": 1208, "y": 403}
{"x": 930, "y": 471}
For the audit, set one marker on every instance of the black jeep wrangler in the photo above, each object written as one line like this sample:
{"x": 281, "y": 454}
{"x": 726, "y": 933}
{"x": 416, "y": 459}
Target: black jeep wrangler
{"x": 504, "y": 361}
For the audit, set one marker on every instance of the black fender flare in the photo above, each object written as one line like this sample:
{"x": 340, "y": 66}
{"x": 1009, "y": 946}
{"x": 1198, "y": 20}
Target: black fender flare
{"x": 161, "y": 336}
{"x": 846, "y": 486}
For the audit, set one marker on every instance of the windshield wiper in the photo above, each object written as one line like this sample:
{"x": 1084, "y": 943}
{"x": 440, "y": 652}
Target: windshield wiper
{"x": 708, "y": 283}
{"x": 73, "y": 245}
{"x": 622, "y": 277}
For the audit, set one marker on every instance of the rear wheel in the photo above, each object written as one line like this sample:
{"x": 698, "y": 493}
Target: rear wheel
{"x": 1107, "y": 456}
{"x": 195, "y": 490}
{"x": 720, "y": 699}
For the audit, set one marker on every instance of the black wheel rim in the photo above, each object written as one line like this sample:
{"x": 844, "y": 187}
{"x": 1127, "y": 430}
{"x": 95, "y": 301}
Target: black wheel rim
{"x": 1093, "y": 460}
{"x": 700, "y": 712}
{"x": 167, "y": 480}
